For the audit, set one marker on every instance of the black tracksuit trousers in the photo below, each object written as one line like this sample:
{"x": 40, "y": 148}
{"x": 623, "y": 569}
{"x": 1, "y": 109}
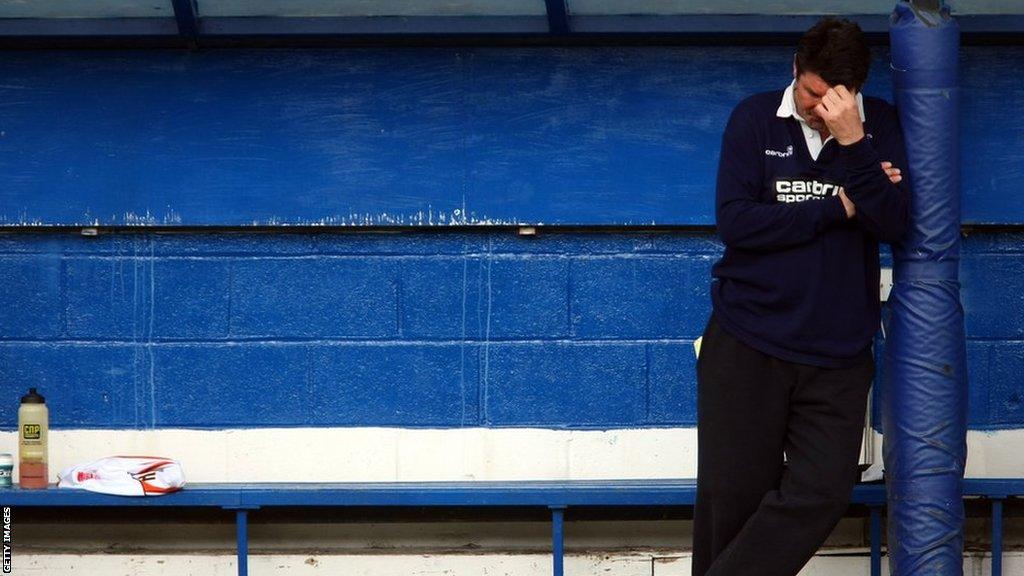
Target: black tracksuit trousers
{"x": 755, "y": 516}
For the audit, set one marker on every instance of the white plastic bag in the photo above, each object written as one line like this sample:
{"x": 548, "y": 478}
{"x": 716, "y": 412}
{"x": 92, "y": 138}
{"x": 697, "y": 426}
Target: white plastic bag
{"x": 125, "y": 476}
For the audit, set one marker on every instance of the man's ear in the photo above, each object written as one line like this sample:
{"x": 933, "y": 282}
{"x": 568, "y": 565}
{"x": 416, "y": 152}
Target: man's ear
{"x": 794, "y": 66}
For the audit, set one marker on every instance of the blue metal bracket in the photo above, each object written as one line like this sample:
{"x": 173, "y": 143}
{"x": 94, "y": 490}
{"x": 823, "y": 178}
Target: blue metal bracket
{"x": 557, "y": 540}
{"x": 186, "y": 12}
{"x": 876, "y": 540}
{"x": 242, "y": 536}
{"x": 558, "y": 17}
{"x": 242, "y": 545}
{"x": 997, "y": 536}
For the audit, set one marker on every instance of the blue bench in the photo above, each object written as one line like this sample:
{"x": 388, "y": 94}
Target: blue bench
{"x": 556, "y": 496}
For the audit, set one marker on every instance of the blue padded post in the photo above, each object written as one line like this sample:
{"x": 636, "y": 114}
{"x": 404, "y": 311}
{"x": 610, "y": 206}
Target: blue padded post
{"x": 924, "y": 404}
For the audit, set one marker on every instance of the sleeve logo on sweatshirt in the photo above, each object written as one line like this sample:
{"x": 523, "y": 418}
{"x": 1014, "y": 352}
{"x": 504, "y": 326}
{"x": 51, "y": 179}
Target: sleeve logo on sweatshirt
{"x": 803, "y": 189}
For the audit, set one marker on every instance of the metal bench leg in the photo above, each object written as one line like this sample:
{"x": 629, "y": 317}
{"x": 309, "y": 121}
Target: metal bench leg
{"x": 876, "y": 540}
{"x": 557, "y": 539}
{"x": 997, "y": 537}
{"x": 242, "y": 545}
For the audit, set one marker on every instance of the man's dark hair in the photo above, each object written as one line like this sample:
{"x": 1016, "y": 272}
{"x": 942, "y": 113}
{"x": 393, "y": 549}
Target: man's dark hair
{"x": 836, "y": 50}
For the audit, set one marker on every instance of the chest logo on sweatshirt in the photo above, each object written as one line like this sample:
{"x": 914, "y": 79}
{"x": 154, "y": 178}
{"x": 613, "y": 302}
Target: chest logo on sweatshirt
{"x": 779, "y": 153}
{"x": 802, "y": 189}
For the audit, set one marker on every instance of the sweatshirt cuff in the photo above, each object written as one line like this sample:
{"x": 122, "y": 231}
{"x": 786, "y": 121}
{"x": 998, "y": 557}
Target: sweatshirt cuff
{"x": 860, "y": 155}
{"x": 835, "y": 212}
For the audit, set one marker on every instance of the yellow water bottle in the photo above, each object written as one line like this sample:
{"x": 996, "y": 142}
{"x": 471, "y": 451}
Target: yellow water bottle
{"x": 33, "y": 424}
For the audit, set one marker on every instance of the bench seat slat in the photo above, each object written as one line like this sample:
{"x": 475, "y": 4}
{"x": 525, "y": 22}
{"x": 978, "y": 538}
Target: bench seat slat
{"x": 680, "y": 492}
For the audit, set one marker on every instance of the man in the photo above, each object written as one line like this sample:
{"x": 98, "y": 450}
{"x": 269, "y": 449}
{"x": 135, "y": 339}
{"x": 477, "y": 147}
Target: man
{"x": 809, "y": 183}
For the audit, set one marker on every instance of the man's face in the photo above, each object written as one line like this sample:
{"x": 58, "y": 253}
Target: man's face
{"x": 807, "y": 93}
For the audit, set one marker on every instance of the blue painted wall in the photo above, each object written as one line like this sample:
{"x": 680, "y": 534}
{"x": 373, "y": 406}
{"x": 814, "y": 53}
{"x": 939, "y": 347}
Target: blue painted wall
{"x": 419, "y": 328}
{"x": 423, "y": 327}
{"x": 419, "y": 136}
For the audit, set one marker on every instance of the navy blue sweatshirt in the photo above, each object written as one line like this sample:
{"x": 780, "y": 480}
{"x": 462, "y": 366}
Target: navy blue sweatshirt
{"x": 799, "y": 280}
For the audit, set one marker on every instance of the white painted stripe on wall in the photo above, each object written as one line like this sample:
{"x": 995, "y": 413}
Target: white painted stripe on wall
{"x": 388, "y": 454}
{"x": 396, "y": 454}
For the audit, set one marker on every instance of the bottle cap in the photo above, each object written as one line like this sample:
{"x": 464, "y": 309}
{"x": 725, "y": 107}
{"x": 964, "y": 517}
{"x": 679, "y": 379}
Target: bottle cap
{"x": 33, "y": 397}
{"x": 6, "y": 459}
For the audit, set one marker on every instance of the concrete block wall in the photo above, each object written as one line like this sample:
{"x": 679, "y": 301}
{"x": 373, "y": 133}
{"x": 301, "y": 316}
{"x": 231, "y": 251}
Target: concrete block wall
{"x": 474, "y": 328}
{"x": 417, "y": 329}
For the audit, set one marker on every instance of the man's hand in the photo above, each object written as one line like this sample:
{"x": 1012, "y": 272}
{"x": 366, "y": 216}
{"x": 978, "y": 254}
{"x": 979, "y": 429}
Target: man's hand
{"x": 894, "y": 176}
{"x": 851, "y": 210}
{"x": 892, "y": 172}
{"x": 838, "y": 109}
